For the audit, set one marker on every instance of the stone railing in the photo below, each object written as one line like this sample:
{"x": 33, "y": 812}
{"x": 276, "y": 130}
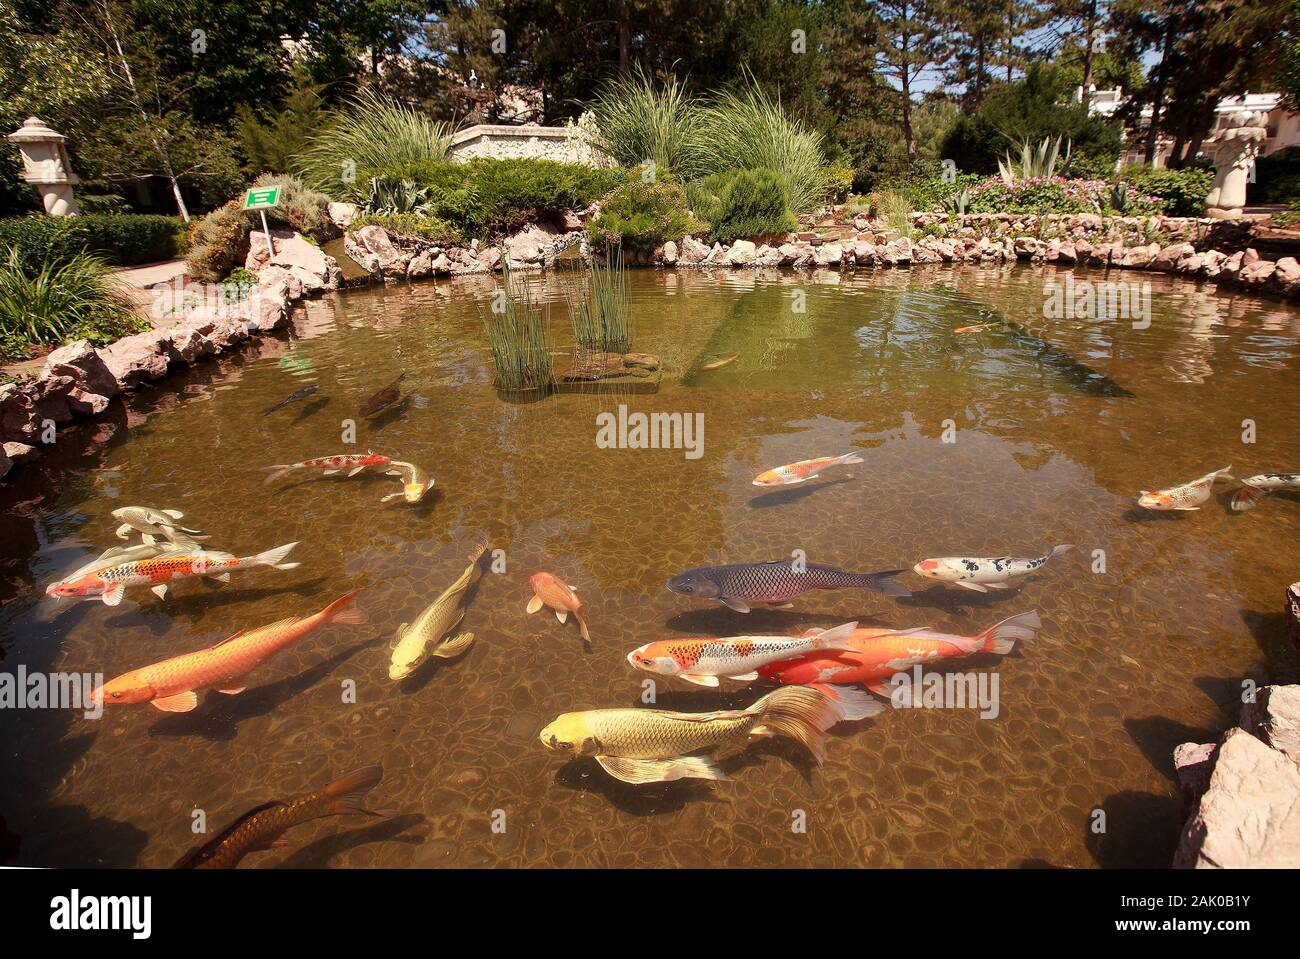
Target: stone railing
{"x": 567, "y": 144}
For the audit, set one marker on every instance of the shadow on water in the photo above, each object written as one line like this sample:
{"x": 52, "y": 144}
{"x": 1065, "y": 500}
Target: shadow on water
{"x": 315, "y": 406}
{"x": 955, "y": 600}
{"x": 195, "y": 606}
{"x": 388, "y": 415}
{"x": 218, "y": 716}
{"x": 646, "y": 799}
{"x": 318, "y": 854}
{"x": 1141, "y": 831}
{"x": 1078, "y": 375}
{"x": 793, "y": 494}
{"x": 759, "y": 622}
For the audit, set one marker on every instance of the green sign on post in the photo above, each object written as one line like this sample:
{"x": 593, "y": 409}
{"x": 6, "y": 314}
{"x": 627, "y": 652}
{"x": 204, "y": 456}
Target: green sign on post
{"x": 262, "y": 200}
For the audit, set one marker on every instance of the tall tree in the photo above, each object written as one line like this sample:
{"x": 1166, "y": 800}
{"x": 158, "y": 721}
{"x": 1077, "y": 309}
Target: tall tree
{"x": 913, "y": 46}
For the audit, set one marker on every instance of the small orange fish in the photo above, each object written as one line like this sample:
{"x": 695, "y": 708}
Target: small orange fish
{"x": 803, "y": 470}
{"x": 170, "y": 685}
{"x": 550, "y": 590}
{"x": 719, "y": 364}
{"x": 977, "y": 328}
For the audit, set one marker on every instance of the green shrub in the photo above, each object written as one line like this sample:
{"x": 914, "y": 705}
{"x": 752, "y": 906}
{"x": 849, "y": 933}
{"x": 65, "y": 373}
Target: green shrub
{"x": 218, "y": 240}
{"x": 484, "y": 196}
{"x": 930, "y": 193}
{"x": 63, "y": 300}
{"x": 839, "y": 182}
{"x": 741, "y": 203}
{"x": 641, "y": 215}
{"x": 370, "y": 132}
{"x": 894, "y": 209}
{"x": 118, "y": 240}
{"x": 1183, "y": 192}
{"x": 1277, "y": 177}
{"x": 412, "y": 224}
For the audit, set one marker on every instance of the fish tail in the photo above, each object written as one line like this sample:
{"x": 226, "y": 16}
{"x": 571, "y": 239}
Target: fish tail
{"x": 800, "y": 712}
{"x": 1247, "y": 498}
{"x": 883, "y": 582}
{"x": 582, "y": 625}
{"x": 349, "y": 792}
{"x": 478, "y": 547}
{"x": 852, "y": 704}
{"x": 849, "y": 459}
{"x": 836, "y": 638}
{"x": 278, "y": 471}
{"x": 1058, "y": 550}
{"x": 1225, "y": 473}
{"x": 274, "y": 557}
{"x": 343, "y": 611}
{"x": 1000, "y": 638}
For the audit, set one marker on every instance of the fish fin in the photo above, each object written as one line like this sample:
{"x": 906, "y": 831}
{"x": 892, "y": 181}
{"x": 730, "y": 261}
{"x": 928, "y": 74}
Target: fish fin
{"x": 562, "y": 616}
{"x": 800, "y": 712}
{"x": 160, "y": 590}
{"x": 343, "y": 612}
{"x": 454, "y": 646}
{"x": 744, "y": 677}
{"x": 883, "y": 582}
{"x": 638, "y": 771}
{"x": 1246, "y": 498}
{"x": 967, "y": 584}
{"x": 233, "y": 690}
{"x": 853, "y": 704}
{"x": 401, "y": 632}
{"x": 221, "y": 577}
{"x": 123, "y": 531}
{"x": 849, "y": 459}
{"x": 275, "y": 557}
{"x": 359, "y": 469}
{"x": 1000, "y": 638}
{"x": 173, "y": 513}
{"x": 349, "y": 792}
{"x": 177, "y": 703}
{"x": 534, "y": 604}
{"x": 782, "y": 605}
{"x": 330, "y": 472}
{"x": 879, "y": 687}
{"x": 1185, "y": 509}
{"x": 278, "y": 471}
{"x": 739, "y": 605}
{"x": 995, "y": 585}
{"x": 148, "y": 539}
{"x": 837, "y": 638}
{"x": 113, "y": 595}
{"x": 391, "y": 496}
{"x": 699, "y": 679}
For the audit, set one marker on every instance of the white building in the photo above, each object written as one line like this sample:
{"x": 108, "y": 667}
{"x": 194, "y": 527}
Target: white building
{"x": 1283, "y": 125}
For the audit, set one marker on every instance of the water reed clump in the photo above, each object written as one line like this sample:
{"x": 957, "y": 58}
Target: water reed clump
{"x": 519, "y": 334}
{"x": 600, "y": 310}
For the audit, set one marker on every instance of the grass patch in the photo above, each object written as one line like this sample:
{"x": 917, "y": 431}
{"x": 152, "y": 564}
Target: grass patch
{"x": 599, "y": 308}
{"x": 519, "y": 335}
{"x": 63, "y": 301}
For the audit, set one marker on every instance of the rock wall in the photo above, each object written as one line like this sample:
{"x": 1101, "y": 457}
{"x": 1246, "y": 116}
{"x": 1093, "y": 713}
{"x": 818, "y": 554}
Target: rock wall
{"x": 568, "y": 144}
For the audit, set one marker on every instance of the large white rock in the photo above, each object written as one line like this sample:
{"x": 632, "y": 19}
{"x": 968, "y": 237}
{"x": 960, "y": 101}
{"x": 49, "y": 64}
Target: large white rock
{"x": 1249, "y": 816}
{"x": 742, "y": 253}
{"x": 1274, "y": 717}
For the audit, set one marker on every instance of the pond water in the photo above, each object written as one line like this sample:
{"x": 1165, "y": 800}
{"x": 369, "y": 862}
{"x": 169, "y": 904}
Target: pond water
{"x": 1057, "y": 424}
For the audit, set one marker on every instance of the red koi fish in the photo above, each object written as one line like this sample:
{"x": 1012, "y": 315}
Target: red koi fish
{"x": 880, "y": 653}
{"x": 354, "y": 463}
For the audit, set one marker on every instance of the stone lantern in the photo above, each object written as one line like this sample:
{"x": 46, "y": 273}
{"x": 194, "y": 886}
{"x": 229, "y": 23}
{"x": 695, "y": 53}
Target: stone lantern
{"x": 46, "y": 166}
{"x": 1234, "y": 151}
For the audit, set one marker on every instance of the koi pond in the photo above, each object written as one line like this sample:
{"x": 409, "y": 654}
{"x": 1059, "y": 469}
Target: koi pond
{"x": 1016, "y": 436}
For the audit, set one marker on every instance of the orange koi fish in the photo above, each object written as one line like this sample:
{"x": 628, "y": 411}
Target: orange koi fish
{"x": 170, "y": 685}
{"x": 1187, "y": 497}
{"x": 803, "y": 470}
{"x": 109, "y": 581}
{"x": 977, "y": 328}
{"x": 354, "y": 463}
{"x": 549, "y": 590}
{"x": 880, "y": 653}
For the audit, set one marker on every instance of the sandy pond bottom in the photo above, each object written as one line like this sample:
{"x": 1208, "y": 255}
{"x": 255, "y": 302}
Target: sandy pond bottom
{"x": 1058, "y": 424}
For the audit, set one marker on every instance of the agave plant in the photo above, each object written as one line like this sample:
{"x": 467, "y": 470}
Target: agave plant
{"x": 1119, "y": 197}
{"x": 1040, "y": 161}
{"x": 389, "y": 197}
{"x": 959, "y": 202}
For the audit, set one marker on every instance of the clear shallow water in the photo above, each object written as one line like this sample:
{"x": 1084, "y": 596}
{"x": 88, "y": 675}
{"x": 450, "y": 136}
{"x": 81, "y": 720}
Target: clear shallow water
{"x": 1059, "y": 424}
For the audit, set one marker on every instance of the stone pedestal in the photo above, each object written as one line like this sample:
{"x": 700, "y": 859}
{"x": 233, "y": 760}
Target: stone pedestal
{"x": 1234, "y": 150}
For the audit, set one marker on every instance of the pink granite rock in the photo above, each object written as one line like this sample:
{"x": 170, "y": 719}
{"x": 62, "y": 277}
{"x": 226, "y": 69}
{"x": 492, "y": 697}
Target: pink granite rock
{"x": 83, "y": 363}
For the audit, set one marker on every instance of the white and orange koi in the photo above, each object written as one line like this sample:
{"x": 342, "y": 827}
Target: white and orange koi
{"x": 1188, "y": 496}
{"x": 703, "y": 660}
{"x": 803, "y": 470}
{"x": 109, "y": 581}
